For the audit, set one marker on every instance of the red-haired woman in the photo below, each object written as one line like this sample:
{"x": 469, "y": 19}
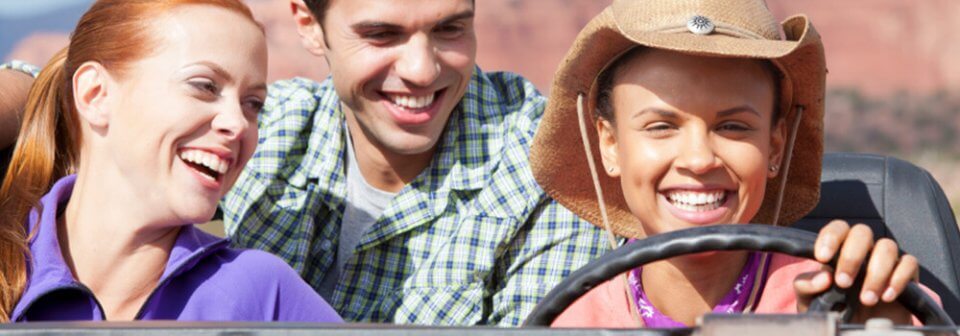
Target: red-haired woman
{"x": 130, "y": 135}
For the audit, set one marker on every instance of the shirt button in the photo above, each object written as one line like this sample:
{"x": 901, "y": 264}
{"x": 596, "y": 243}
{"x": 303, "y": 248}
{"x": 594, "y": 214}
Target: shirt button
{"x": 326, "y": 244}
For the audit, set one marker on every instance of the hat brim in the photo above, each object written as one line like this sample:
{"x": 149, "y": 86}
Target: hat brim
{"x": 557, "y": 155}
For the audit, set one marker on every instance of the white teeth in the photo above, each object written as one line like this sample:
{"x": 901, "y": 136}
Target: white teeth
{"x": 412, "y": 102}
{"x": 696, "y": 200}
{"x": 206, "y": 159}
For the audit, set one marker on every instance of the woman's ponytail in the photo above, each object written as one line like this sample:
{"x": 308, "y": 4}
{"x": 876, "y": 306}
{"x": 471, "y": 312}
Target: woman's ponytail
{"x": 113, "y": 33}
{"x": 46, "y": 150}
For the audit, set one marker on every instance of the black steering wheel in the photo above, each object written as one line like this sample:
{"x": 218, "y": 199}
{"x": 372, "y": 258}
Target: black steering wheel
{"x": 751, "y": 237}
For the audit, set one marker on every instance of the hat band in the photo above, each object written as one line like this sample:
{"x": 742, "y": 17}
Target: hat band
{"x": 720, "y": 28}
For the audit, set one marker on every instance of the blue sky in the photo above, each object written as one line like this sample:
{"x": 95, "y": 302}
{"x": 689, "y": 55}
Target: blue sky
{"x": 22, "y": 8}
{"x": 21, "y": 18}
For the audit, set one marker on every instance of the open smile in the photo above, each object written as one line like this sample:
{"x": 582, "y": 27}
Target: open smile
{"x": 696, "y": 201}
{"x": 409, "y": 109}
{"x": 702, "y": 206}
{"x": 209, "y": 167}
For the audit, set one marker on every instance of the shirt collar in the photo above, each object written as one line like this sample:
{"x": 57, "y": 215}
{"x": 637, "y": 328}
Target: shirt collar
{"x": 192, "y": 246}
{"x": 49, "y": 271}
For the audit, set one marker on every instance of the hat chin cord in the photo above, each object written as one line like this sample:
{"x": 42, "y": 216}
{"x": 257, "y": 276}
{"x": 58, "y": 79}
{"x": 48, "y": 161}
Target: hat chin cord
{"x": 593, "y": 172}
{"x": 581, "y": 120}
{"x": 786, "y": 164}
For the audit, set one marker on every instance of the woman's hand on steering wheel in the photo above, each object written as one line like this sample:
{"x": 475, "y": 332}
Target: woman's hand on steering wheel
{"x": 887, "y": 272}
{"x": 738, "y": 237}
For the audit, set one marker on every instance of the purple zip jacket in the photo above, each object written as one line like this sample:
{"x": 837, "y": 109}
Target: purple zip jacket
{"x": 204, "y": 280}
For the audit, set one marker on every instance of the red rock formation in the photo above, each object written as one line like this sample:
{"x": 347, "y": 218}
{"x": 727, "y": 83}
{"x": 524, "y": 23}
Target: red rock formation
{"x": 38, "y": 47}
{"x": 288, "y": 58}
{"x": 879, "y": 46}
{"x": 876, "y": 46}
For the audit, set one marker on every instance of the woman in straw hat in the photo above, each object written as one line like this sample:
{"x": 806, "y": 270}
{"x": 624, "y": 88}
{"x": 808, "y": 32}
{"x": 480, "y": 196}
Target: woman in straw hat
{"x": 705, "y": 112}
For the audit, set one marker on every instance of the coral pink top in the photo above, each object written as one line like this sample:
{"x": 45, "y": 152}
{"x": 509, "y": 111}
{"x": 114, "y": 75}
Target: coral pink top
{"x": 606, "y": 306}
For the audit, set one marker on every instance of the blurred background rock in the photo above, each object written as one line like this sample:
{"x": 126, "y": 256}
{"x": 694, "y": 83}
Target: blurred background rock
{"x": 894, "y": 82}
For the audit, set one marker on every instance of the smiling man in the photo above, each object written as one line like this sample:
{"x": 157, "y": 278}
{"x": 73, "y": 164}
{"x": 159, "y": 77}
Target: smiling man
{"x": 400, "y": 188}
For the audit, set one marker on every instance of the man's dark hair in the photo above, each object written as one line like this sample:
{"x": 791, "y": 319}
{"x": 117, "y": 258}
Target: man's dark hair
{"x": 318, "y": 8}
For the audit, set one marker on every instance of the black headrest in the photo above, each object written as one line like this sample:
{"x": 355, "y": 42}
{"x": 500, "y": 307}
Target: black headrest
{"x": 898, "y": 200}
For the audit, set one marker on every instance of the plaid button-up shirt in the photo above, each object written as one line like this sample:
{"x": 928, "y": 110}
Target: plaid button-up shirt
{"x": 472, "y": 240}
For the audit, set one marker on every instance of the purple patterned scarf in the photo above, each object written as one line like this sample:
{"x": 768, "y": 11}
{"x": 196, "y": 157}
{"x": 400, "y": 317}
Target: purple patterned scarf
{"x": 734, "y": 302}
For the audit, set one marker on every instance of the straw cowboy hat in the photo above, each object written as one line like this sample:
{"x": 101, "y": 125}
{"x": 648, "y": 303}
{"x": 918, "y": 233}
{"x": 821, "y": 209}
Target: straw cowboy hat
{"x": 724, "y": 28}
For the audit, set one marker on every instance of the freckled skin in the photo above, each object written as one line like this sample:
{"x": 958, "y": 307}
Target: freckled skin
{"x": 164, "y": 103}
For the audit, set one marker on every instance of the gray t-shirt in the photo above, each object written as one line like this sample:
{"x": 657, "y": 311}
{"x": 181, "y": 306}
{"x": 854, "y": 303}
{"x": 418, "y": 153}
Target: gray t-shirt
{"x": 364, "y": 205}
